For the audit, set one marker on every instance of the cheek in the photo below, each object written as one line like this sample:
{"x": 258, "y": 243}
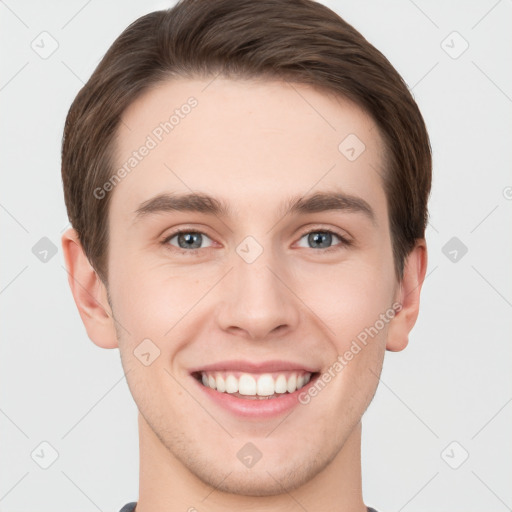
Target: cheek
{"x": 352, "y": 302}
{"x": 158, "y": 300}
{"x": 142, "y": 289}
{"x": 347, "y": 298}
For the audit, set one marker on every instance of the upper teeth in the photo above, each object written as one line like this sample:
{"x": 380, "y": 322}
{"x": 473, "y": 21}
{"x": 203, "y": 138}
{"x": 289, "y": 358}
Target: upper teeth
{"x": 263, "y": 385}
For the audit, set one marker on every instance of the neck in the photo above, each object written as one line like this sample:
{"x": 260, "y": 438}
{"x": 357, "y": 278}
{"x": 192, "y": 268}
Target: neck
{"x": 166, "y": 484}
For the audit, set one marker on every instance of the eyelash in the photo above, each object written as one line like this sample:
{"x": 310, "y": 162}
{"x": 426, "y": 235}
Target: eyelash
{"x": 195, "y": 252}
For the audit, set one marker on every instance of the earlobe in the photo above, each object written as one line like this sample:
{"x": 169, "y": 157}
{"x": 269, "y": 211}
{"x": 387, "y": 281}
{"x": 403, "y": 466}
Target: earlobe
{"x": 89, "y": 293}
{"x": 408, "y": 298}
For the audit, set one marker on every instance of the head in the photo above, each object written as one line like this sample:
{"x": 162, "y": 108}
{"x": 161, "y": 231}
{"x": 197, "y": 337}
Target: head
{"x": 294, "y": 161}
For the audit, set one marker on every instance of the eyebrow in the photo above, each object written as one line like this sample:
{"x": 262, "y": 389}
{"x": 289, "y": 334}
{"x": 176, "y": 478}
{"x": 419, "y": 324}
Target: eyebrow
{"x": 204, "y": 203}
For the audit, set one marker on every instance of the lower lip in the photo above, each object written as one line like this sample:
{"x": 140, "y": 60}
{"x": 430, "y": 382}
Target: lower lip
{"x": 256, "y": 408}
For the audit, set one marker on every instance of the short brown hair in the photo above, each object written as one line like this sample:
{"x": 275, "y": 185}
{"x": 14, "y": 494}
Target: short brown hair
{"x": 300, "y": 41}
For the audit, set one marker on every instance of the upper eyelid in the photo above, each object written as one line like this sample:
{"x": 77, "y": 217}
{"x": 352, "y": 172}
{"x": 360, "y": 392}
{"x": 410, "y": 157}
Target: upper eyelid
{"x": 344, "y": 240}
{"x": 186, "y": 230}
{"x": 339, "y": 232}
{"x": 180, "y": 231}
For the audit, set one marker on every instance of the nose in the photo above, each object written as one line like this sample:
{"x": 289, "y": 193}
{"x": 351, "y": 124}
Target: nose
{"x": 257, "y": 301}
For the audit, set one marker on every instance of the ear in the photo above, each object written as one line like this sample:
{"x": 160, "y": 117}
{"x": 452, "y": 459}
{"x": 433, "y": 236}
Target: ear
{"x": 89, "y": 292}
{"x": 408, "y": 296}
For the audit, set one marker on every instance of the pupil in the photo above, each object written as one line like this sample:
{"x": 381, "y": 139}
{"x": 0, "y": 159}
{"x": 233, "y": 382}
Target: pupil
{"x": 189, "y": 240}
{"x": 319, "y": 237}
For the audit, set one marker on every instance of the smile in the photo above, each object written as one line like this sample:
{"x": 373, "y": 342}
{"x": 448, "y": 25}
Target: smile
{"x": 254, "y": 391}
{"x": 255, "y": 386}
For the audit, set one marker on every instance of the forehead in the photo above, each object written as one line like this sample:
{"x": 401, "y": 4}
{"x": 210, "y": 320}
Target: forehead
{"x": 248, "y": 142}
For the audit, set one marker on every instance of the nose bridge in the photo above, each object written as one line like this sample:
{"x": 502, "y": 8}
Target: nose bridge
{"x": 258, "y": 302}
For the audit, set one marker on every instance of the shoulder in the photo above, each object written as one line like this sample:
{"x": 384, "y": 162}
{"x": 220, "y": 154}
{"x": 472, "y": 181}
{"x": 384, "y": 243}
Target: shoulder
{"x": 130, "y": 507}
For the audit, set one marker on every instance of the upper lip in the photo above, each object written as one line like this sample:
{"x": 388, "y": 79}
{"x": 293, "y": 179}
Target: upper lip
{"x": 254, "y": 367}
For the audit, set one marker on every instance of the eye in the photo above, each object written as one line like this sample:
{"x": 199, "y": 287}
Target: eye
{"x": 322, "y": 239}
{"x": 188, "y": 240}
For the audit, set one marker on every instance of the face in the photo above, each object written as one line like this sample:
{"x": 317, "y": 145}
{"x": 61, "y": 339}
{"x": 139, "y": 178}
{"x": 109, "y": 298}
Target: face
{"x": 282, "y": 262}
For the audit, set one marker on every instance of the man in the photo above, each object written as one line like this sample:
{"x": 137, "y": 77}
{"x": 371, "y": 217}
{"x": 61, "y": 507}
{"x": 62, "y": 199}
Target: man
{"x": 247, "y": 184}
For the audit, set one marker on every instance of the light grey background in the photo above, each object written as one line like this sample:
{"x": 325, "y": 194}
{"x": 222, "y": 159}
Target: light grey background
{"x": 451, "y": 384}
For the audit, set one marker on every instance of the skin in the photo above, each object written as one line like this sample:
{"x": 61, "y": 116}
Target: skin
{"x": 252, "y": 144}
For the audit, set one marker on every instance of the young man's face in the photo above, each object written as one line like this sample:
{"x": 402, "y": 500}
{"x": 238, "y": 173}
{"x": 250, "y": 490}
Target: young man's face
{"x": 261, "y": 288}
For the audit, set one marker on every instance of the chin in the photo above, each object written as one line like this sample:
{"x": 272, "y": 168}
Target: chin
{"x": 258, "y": 482}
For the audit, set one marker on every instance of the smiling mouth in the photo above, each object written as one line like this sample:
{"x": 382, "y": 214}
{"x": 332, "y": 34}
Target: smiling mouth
{"x": 251, "y": 386}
